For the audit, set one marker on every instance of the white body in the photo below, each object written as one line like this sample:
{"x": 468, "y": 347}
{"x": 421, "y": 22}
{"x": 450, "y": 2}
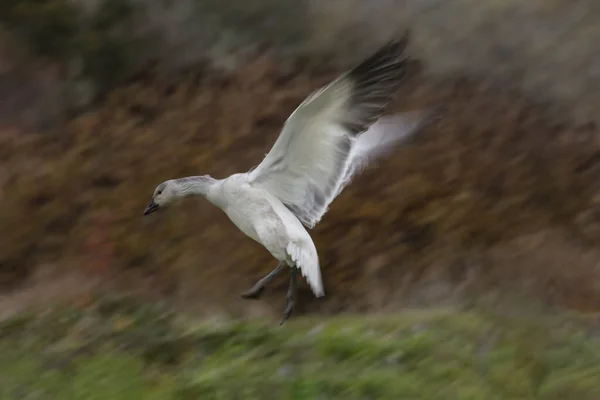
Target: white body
{"x": 266, "y": 220}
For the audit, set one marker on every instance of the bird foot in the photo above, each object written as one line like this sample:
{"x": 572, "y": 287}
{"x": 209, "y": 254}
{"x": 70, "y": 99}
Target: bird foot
{"x": 254, "y": 293}
{"x": 259, "y": 286}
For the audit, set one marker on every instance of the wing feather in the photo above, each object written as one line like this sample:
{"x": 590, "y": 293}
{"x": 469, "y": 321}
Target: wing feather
{"x": 308, "y": 262}
{"x": 310, "y": 160}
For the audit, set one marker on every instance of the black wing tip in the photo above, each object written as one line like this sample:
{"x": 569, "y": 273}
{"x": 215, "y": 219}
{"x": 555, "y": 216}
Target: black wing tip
{"x": 398, "y": 45}
{"x": 376, "y": 79}
{"x": 392, "y": 53}
{"x": 393, "y": 48}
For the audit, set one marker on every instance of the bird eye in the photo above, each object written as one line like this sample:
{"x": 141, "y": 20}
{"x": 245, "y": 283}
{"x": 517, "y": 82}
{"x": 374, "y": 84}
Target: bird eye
{"x": 159, "y": 192}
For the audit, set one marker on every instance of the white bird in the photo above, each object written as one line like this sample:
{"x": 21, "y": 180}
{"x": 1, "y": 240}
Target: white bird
{"x": 329, "y": 138}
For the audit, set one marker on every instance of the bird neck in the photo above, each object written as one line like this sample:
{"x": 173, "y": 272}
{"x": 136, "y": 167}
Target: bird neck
{"x": 195, "y": 185}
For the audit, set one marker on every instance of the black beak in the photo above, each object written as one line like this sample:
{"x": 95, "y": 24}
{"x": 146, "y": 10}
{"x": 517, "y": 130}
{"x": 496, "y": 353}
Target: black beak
{"x": 151, "y": 208}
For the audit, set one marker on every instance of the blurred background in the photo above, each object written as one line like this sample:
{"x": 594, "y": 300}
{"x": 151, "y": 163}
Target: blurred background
{"x": 476, "y": 244}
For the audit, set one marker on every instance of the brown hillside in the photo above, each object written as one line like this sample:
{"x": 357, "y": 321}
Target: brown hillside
{"x": 499, "y": 194}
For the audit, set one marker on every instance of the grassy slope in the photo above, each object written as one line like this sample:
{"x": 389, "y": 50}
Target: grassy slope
{"x": 118, "y": 350}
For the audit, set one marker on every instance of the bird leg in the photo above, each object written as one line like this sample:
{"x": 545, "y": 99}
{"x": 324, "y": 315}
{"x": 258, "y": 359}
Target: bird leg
{"x": 257, "y": 289}
{"x": 291, "y": 295}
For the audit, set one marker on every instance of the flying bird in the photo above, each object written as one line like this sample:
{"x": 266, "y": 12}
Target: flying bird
{"x": 332, "y": 135}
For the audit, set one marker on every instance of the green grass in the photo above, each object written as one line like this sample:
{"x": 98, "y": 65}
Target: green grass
{"x": 120, "y": 350}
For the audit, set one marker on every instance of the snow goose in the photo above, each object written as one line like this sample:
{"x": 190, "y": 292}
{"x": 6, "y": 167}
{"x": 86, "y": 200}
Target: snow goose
{"x": 328, "y": 139}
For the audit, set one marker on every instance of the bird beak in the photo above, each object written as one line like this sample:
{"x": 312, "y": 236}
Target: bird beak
{"x": 151, "y": 208}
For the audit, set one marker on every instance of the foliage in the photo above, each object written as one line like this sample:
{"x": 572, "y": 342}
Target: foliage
{"x": 62, "y": 31}
{"x": 483, "y": 200}
{"x": 119, "y": 349}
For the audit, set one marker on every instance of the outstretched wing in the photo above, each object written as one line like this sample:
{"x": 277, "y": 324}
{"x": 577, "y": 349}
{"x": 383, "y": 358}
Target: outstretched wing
{"x": 309, "y": 162}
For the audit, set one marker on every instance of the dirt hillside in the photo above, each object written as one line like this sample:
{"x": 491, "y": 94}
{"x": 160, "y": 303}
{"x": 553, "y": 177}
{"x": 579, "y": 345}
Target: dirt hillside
{"x": 501, "y": 194}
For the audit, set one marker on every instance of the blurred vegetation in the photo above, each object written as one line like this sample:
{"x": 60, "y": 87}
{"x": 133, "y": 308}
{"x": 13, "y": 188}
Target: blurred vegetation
{"x": 502, "y": 193}
{"x": 101, "y": 44}
{"x": 545, "y": 48}
{"x": 60, "y": 30}
{"x": 117, "y": 348}
{"x": 494, "y": 178}
{"x": 49, "y": 27}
